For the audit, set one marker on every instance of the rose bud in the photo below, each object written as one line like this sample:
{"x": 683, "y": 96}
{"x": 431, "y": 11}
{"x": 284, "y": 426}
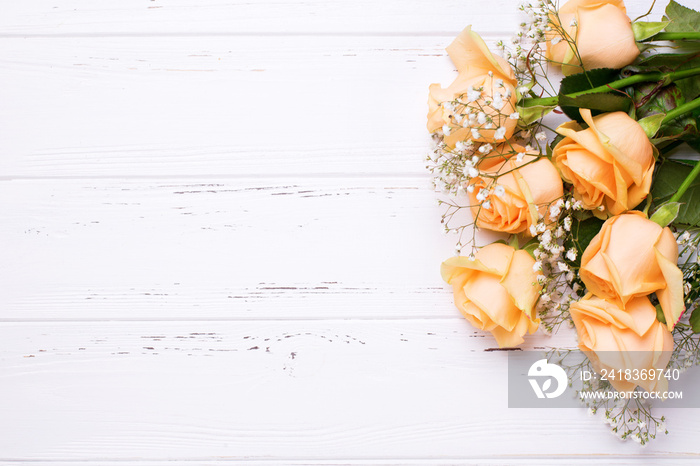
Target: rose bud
{"x": 616, "y": 339}
{"x": 610, "y": 163}
{"x": 632, "y": 256}
{"x": 496, "y": 291}
{"x": 601, "y": 30}
{"x": 521, "y": 194}
{"x": 485, "y": 90}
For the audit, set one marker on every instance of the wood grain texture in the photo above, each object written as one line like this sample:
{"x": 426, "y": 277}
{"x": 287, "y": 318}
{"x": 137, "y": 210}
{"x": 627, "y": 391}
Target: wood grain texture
{"x": 263, "y": 106}
{"x": 220, "y": 246}
{"x": 510, "y": 460}
{"x": 264, "y": 390}
{"x": 222, "y": 249}
{"x": 409, "y": 17}
{"x": 260, "y": 17}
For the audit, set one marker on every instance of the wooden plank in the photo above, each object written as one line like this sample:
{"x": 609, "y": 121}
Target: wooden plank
{"x": 222, "y": 249}
{"x": 216, "y": 105}
{"x": 71, "y": 17}
{"x": 244, "y": 17}
{"x": 533, "y": 460}
{"x": 308, "y": 390}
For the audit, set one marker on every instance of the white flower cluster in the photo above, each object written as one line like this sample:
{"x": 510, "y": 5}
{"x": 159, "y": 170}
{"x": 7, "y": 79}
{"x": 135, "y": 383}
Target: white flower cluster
{"x": 528, "y": 44}
{"x": 453, "y": 169}
{"x": 481, "y": 109}
{"x": 553, "y": 258}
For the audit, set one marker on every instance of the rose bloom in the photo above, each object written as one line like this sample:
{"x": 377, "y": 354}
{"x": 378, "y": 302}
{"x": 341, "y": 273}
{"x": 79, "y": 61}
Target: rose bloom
{"x": 497, "y": 291}
{"x": 610, "y": 163}
{"x": 616, "y": 339}
{"x": 485, "y": 87}
{"x": 632, "y": 256}
{"x": 528, "y": 187}
{"x": 602, "y": 33}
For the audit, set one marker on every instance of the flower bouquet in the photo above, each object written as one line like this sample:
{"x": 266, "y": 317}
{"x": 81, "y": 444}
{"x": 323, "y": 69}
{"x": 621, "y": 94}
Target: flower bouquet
{"x": 572, "y": 143}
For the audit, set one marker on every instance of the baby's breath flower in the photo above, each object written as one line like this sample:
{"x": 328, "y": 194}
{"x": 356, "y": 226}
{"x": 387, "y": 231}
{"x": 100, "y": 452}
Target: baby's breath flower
{"x": 567, "y": 223}
{"x": 514, "y": 116}
{"x": 482, "y": 195}
{"x": 546, "y": 237}
{"x": 473, "y": 94}
{"x": 485, "y": 149}
{"x": 554, "y": 211}
{"x": 497, "y": 100}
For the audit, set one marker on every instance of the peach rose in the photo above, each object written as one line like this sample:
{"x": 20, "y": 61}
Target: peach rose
{"x": 616, "y": 339}
{"x": 602, "y": 33}
{"x": 632, "y": 256}
{"x": 496, "y": 291}
{"x": 485, "y": 87}
{"x": 610, "y": 163}
{"x": 528, "y": 184}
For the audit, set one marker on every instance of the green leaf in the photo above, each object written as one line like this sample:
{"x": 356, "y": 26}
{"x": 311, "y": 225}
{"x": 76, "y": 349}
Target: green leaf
{"x": 583, "y": 231}
{"x": 682, "y": 18}
{"x": 669, "y": 61}
{"x": 601, "y": 102}
{"x": 689, "y": 86}
{"x": 652, "y": 99}
{"x": 660, "y": 314}
{"x": 692, "y": 163}
{"x": 588, "y": 80}
{"x": 529, "y": 115}
{"x": 695, "y": 320}
{"x": 550, "y": 148}
{"x": 666, "y": 214}
{"x": 667, "y": 181}
{"x": 651, "y": 124}
{"x": 582, "y": 82}
{"x": 530, "y": 249}
{"x": 644, "y": 30}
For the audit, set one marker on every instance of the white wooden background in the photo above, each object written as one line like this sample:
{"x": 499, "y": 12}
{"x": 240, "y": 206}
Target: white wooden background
{"x": 218, "y": 244}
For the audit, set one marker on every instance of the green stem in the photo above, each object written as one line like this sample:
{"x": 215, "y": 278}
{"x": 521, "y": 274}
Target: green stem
{"x": 686, "y": 183}
{"x": 619, "y": 84}
{"x": 674, "y": 36}
{"x": 678, "y": 111}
